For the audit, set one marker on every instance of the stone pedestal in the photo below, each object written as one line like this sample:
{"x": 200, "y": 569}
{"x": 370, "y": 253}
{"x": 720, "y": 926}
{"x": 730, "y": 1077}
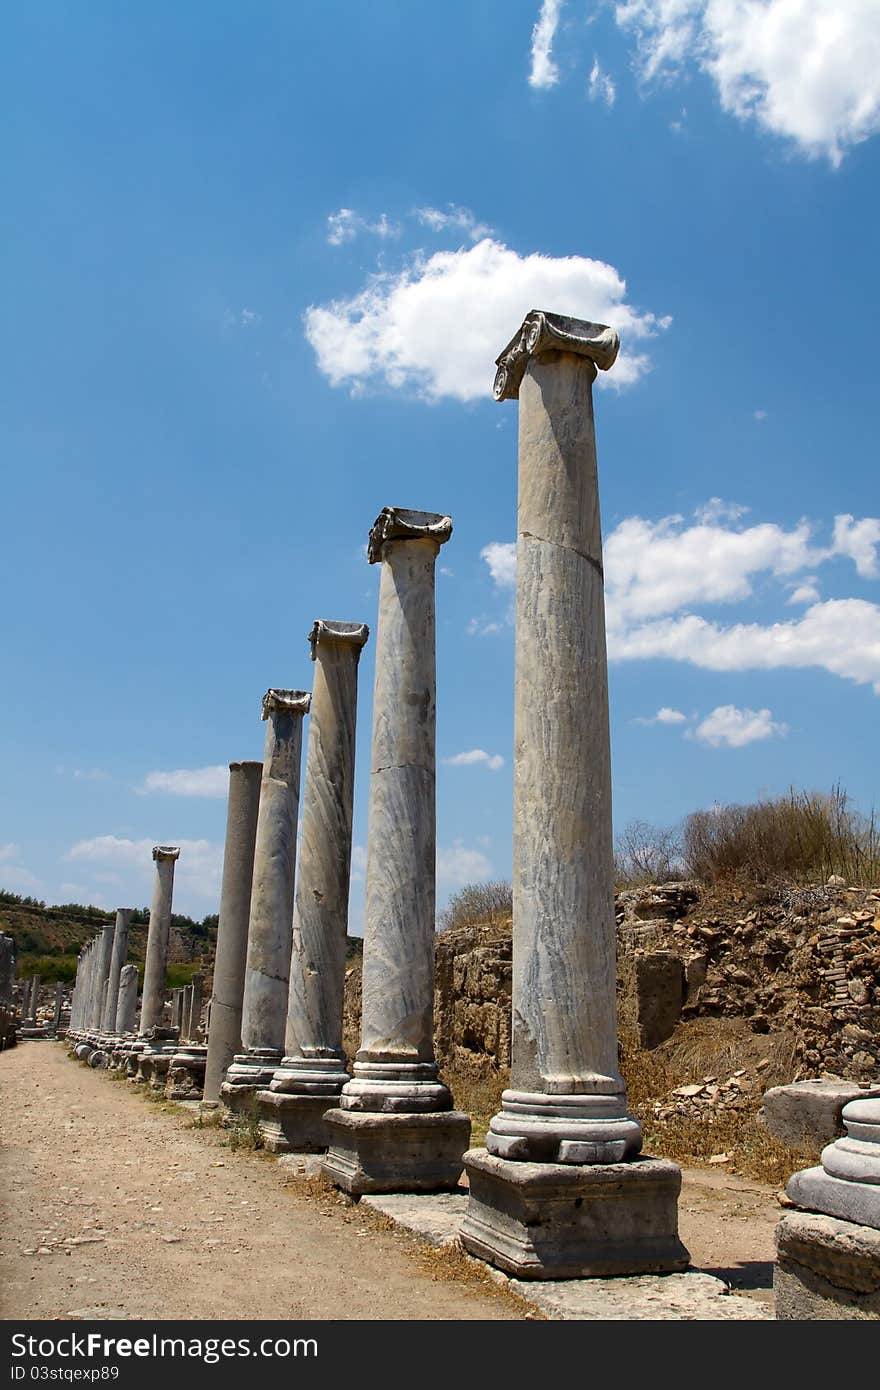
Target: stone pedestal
{"x": 826, "y": 1269}
{"x": 395, "y": 1152}
{"x": 313, "y": 1071}
{"x": 224, "y": 1037}
{"x": 847, "y": 1184}
{"x": 395, "y": 1074}
{"x": 158, "y": 932}
{"x": 567, "y": 1221}
{"x": 267, "y": 970}
{"x": 186, "y": 1073}
{"x": 566, "y": 1104}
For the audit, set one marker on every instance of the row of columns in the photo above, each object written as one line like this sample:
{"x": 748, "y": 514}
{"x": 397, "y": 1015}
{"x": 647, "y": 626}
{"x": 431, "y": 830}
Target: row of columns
{"x": 564, "y": 1144}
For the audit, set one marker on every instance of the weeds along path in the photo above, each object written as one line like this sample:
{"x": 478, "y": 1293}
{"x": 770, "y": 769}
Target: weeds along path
{"x": 116, "y": 1207}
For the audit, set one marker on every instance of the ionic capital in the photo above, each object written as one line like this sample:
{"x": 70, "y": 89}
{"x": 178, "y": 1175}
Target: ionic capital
{"x": 399, "y": 524}
{"x": 166, "y": 852}
{"x": 349, "y": 634}
{"x": 285, "y": 702}
{"x": 545, "y": 332}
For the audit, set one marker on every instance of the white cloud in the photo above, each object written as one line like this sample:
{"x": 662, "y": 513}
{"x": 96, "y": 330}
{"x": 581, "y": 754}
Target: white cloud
{"x": 459, "y": 865}
{"x": 729, "y": 727}
{"x": 841, "y": 636}
{"x": 601, "y": 85}
{"x": 483, "y": 627}
{"x": 665, "y": 715}
{"x": 8, "y": 851}
{"x": 760, "y": 414}
{"x": 453, "y": 219}
{"x": 436, "y": 326}
{"x": 807, "y": 70}
{"x": 197, "y": 871}
{"x": 544, "y": 72}
{"x": 14, "y": 877}
{"x": 343, "y": 226}
{"x": 858, "y": 540}
{"x": 716, "y": 509}
{"x": 358, "y": 863}
{"x": 807, "y": 592}
{"x": 500, "y": 556}
{"x": 493, "y": 761}
{"x": 656, "y": 571}
{"x": 189, "y": 781}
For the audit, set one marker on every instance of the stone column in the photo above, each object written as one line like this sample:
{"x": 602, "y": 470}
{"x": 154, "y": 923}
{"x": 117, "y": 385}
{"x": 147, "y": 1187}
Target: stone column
{"x": 7, "y": 976}
{"x": 126, "y": 1005}
{"x": 59, "y": 999}
{"x": 34, "y": 998}
{"x": 158, "y": 934}
{"x": 104, "y": 954}
{"x": 118, "y": 958}
{"x": 267, "y": 971}
{"x": 313, "y": 1071}
{"x": 828, "y": 1253}
{"x": 224, "y": 1038}
{"x": 566, "y": 1106}
{"x": 395, "y": 1128}
{"x": 197, "y": 989}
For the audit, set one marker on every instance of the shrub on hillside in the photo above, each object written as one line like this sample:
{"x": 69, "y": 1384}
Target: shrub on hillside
{"x": 476, "y": 903}
{"x": 804, "y": 836}
{"x": 646, "y": 853}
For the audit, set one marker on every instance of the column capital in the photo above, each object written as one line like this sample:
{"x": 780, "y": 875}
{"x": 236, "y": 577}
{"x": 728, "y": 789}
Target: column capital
{"x": 399, "y": 524}
{"x": 285, "y": 702}
{"x": 349, "y": 634}
{"x": 545, "y": 332}
{"x": 166, "y": 852}
{"x": 234, "y": 767}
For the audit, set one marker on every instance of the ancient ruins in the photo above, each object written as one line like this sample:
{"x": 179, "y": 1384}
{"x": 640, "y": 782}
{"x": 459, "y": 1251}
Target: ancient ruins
{"x": 562, "y": 1189}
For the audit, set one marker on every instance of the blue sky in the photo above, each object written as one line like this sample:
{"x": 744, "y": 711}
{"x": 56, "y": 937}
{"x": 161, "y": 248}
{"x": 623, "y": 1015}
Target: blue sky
{"x": 259, "y": 260}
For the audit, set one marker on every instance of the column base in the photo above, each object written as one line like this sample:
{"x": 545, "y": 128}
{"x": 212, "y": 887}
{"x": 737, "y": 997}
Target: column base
{"x": 186, "y": 1074}
{"x": 311, "y": 1076}
{"x": 534, "y": 1127}
{"x": 826, "y": 1269}
{"x": 818, "y": 1191}
{"x": 560, "y": 1221}
{"x": 396, "y": 1088}
{"x": 395, "y": 1152}
{"x": 294, "y": 1123}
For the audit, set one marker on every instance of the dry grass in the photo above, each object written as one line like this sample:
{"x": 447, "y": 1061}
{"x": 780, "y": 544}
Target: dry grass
{"x": 477, "y": 1091}
{"x": 751, "y": 1151}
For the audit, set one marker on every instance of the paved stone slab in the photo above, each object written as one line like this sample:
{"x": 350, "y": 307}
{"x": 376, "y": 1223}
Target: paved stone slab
{"x": 436, "y": 1216}
{"x": 688, "y": 1297}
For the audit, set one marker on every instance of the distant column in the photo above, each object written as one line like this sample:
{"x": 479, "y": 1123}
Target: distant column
{"x": 158, "y": 937}
{"x": 117, "y": 960}
{"x": 126, "y": 1006}
{"x": 224, "y": 1037}
{"x": 313, "y": 1072}
{"x": 59, "y": 998}
{"x": 264, "y": 1007}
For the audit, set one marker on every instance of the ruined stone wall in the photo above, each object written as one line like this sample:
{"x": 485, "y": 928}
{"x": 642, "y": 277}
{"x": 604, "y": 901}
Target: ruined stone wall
{"x": 805, "y": 961}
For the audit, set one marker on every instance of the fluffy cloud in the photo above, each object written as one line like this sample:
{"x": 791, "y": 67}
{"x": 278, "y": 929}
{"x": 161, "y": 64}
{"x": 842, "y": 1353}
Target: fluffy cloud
{"x": 197, "y": 871}
{"x": 189, "y": 781}
{"x": 493, "y": 761}
{"x": 436, "y": 326}
{"x": 453, "y": 219}
{"x": 343, "y": 226}
{"x": 664, "y": 716}
{"x": 544, "y": 72}
{"x": 600, "y": 85}
{"x": 656, "y": 571}
{"x": 729, "y": 727}
{"x": 808, "y": 70}
{"x": 459, "y": 865}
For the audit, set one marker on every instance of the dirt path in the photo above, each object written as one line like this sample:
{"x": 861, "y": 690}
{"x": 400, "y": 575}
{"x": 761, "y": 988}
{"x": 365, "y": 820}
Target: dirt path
{"x": 175, "y": 1225}
{"x": 112, "y": 1207}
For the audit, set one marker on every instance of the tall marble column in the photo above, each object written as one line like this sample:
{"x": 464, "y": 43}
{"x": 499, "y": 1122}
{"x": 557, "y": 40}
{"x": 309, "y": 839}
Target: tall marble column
{"x": 126, "y": 1005}
{"x": 194, "y": 1014}
{"x": 59, "y": 1000}
{"x": 395, "y": 1128}
{"x": 34, "y": 998}
{"x": 224, "y": 1037}
{"x": 158, "y": 936}
{"x": 7, "y": 975}
{"x": 267, "y": 970}
{"x": 117, "y": 961}
{"x": 313, "y": 1071}
{"x": 566, "y": 1107}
